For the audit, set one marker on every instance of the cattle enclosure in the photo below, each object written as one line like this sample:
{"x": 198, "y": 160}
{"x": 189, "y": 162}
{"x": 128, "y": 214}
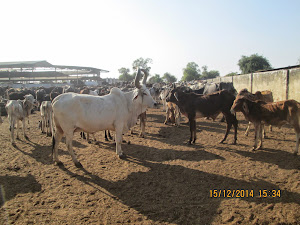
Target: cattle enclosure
{"x": 162, "y": 181}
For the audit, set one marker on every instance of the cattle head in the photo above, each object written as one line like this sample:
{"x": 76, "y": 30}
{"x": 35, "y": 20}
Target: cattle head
{"x": 240, "y": 104}
{"x": 142, "y": 96}
{"x": 174, "y": 95}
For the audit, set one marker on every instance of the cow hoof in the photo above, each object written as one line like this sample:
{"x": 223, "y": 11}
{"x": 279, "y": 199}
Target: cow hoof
{"x": 78, "y": 165}
{"x": 14, "y": 144}
{"x": 128, "y": 142}
{"x": 123, "y": 141}
{"x": 17, "y": 138}
{"x": 221, "y": 142}
{"x": 123, "y": 156}
{"x": 106, "y": 139}
{"x": 89, "y": 142}
{"x": 26, "y": 137}
{"x": 189, "y": 143}
{"x": 59, "y": 163}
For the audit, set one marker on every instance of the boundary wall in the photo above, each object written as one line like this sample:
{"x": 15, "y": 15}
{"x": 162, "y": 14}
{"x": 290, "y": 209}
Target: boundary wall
{"x": 284, "y": 83}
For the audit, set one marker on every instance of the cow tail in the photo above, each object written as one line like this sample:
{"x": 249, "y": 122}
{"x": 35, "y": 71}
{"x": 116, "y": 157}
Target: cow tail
{"x": 53, "y": 144}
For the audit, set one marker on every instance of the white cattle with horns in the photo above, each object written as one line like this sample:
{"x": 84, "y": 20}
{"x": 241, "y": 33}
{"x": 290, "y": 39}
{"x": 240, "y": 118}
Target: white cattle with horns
{"x": 116, "y": 111}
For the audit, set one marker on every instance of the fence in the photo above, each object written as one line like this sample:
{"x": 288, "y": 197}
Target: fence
{"x": 284, "y": 83}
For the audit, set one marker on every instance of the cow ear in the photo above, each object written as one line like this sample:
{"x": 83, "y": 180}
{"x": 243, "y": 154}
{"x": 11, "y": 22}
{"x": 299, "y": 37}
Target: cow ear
{"x": 135, "y": 97}
{"x": 245, "y": 107}
{"x": 176, "y": 96}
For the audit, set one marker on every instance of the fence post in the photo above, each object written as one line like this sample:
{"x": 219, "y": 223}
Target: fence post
{"x": 251, "y": 82}
{"x": 287, "y": 84}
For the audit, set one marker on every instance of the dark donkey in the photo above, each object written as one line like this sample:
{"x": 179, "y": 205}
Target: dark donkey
{"x": 196, "y": 106}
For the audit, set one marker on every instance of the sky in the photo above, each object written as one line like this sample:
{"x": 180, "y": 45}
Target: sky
{"x": 111, "y": 34}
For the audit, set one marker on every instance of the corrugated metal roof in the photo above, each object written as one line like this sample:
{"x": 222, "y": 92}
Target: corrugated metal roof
{"x": 25, "y": 64}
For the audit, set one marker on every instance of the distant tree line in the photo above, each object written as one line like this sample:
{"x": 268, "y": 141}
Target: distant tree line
{"x": 192, "y": 71}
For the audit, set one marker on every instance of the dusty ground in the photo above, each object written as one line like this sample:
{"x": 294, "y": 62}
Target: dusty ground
{"x": 162, "y": 181}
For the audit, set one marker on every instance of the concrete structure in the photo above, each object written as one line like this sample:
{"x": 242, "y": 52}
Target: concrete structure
{"x": 283, "y": 82}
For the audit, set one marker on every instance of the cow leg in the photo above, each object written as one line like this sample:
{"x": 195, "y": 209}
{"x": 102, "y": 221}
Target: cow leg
{"x": 23, "y": 123}
{"x": 270, "y": 128}
{"x": 69, "y": 143}
{"x": 248, "y": 128}
{"x": 43, "y": 125}
{"x": 12, "y": 131}
{"x": 118, "y": 139}
{"x": 142, "y": 125}
{"x": 261, "y": 129}
{"x": 167, "y": 116}
{"x": 192, "y": 123}
{"x": 109, "y": 136}
{"x": 56, "y": 139}
{"x": 230, "y": 120}
{"x": 256, "y": 136}
{"x": 105, "y": 135}
{"x": 18, "y": 125}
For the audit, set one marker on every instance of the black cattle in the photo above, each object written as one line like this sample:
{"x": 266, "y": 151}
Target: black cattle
{"x": 196, "y": 106}
{"x": 16, "y": 95}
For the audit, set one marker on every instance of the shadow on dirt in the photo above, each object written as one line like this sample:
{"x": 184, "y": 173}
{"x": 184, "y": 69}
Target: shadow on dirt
{"x": 176, "y": 194}
{"x": 285, "y": 160}
{"x": 10, "y": 186}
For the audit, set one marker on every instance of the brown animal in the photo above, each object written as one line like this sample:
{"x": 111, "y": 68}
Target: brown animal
{"x": 172, "y": 114}
{"x": 277, "y": 113}
{"x": 265, "y": 96}
{"x": 196, "y": 106}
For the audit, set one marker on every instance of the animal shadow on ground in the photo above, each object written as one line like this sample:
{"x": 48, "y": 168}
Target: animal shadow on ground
{"x": 176, "y": 194}
{"x": 41, "y": 153}
{"x": 10, "y": 186}
{"x": 285, "y": 160}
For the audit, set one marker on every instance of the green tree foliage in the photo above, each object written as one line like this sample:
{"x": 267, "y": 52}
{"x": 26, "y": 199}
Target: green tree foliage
{"x": 155, "y": 79}
{"x": 231, "y": 74}
{"x": 169, "y": 78}
{"x": 125, "y": 74}
{"x": 142, "y": 63}
{"x": 191, "y": 72}
{"x": 209, "y": 74}
{"x": 253, "y": 63}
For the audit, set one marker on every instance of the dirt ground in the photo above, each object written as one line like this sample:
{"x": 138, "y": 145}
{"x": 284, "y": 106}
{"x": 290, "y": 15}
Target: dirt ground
{"x": 162, "y": 180}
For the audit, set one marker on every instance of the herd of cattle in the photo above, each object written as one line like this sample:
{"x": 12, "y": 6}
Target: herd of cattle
{"x": 65, "y": 111}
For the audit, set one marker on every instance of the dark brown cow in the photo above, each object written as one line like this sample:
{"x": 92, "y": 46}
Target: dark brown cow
{"x": 196, "y": 106}
{"x": 277, "y": 113}
{"x": 265, "y": 96}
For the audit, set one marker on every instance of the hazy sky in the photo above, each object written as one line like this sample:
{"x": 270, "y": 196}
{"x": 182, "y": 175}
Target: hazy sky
{"x": 111, "y": 34}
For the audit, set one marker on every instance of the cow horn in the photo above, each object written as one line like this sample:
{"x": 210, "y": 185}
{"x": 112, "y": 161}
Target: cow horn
{"x": 145, "y": 76}
{"x": 137, "y": 79}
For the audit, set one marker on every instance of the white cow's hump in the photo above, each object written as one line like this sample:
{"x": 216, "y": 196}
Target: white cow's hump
{"x": 116, "y": 91}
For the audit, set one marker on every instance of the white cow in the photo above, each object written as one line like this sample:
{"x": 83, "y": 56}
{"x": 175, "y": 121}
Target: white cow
{"x": 19, "y": 110}
{"x": 46, "y": 114}
{"x": 116, "y": 111}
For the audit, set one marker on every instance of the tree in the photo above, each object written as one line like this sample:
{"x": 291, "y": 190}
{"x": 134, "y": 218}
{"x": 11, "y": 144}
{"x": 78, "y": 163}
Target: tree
{"x": 155, "y": 79}
{"x": 209, "y": 74}
{"x": 231, "y": 74}
{"x": 253, "y": 63}
{"x": 169, "y": 78}
{"x": 191, "y": 72}
{"x": 142, "y": 63}
{"x": 125, "y": 76}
